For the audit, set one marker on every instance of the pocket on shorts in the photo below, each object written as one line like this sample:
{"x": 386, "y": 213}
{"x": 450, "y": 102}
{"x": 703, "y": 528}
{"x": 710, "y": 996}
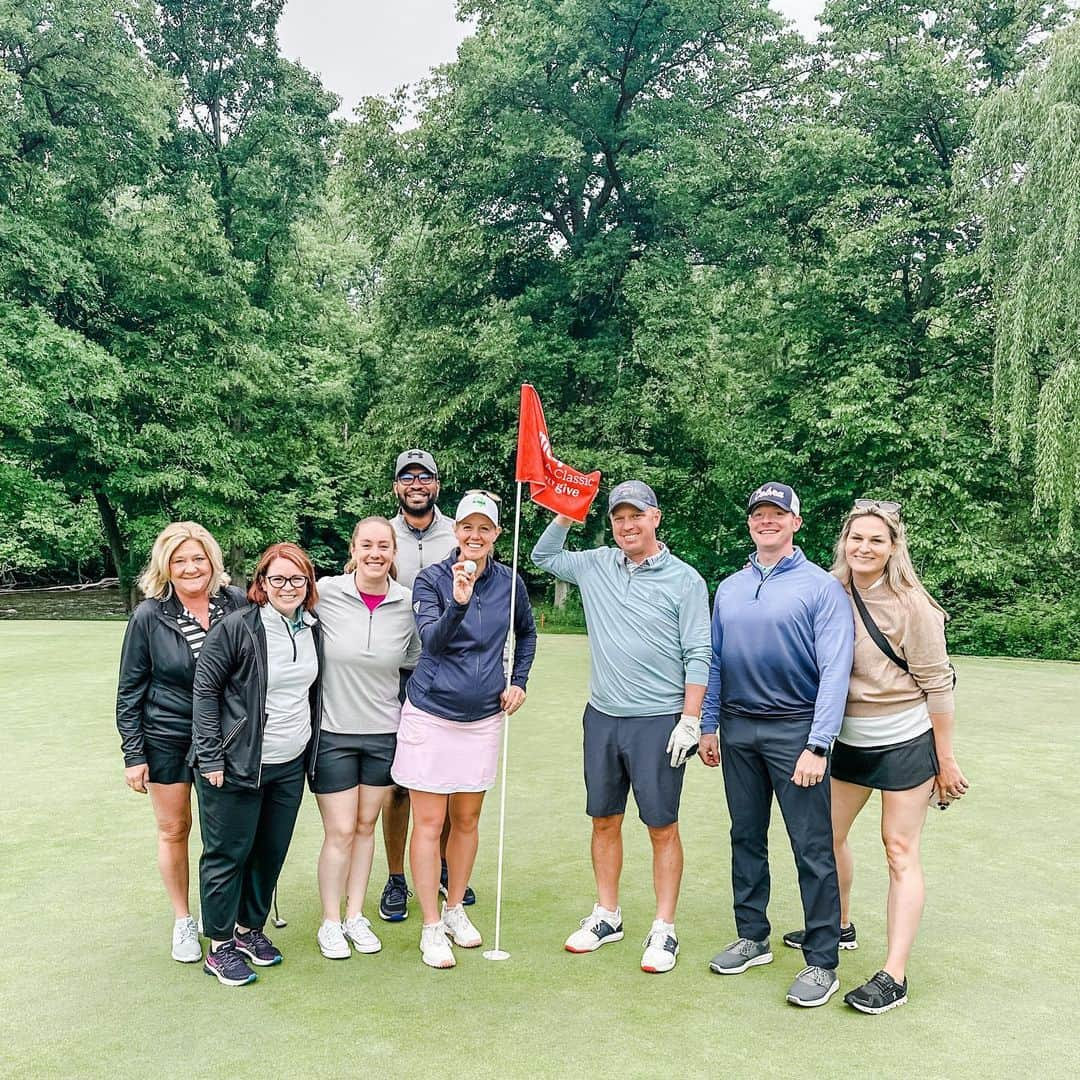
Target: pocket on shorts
{"x": 411, "y": 732}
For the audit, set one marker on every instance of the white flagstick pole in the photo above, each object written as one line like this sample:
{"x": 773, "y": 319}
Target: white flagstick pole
{"x": 498, "y": 953}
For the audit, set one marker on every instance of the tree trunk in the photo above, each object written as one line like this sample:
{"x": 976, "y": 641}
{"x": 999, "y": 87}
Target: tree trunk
{"x": 561, "y": 589}
{"x": 129, "y": 592}
{"x": 235, "y": 566}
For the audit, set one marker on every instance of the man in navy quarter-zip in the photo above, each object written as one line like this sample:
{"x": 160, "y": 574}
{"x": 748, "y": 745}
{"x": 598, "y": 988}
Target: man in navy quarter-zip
{"x": 782, "y": 641}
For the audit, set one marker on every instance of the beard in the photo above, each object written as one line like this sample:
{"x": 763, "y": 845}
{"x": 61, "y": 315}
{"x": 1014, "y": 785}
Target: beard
{"x": 418, "y": 509}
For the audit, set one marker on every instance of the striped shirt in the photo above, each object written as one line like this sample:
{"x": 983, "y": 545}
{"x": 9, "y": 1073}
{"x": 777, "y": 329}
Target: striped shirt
{"x": 192, "y": 629}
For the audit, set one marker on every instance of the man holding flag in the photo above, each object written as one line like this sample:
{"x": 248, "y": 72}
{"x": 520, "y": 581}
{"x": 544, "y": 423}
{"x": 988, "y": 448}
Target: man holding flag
{"x": 647, "y": 615}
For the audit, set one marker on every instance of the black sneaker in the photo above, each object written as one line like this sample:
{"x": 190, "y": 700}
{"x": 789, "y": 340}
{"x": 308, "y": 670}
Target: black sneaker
{"x": 794, "y": 939}
{"x": 229, "y": 967}
{"x": 258, "y": 948}
{"x": 444, "y": 887}
{"x": 394, "y": 905}
{"x": 879, "y": 995}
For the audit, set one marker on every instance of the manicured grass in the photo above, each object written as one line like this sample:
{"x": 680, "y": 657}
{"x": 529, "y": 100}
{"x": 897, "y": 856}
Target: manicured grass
{"x": 89, "y": 989}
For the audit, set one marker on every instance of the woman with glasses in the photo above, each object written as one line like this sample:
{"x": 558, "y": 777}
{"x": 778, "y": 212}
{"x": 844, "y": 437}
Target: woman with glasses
{"x": 257, "y": 704}
{"x": 897, "y": 734}
{"x": 370, "y": 642}
{"x": 451, "y": 722}
{"x": 187, "y": 591}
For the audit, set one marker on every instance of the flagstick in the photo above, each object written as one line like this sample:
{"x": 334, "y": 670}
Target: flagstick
{"x": 497, "y": 953}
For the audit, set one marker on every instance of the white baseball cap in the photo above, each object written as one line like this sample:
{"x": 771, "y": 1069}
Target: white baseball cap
{"x": 477, "y": 502}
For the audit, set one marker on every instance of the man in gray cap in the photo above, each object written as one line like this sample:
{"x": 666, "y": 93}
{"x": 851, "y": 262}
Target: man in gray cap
{"x": 425, "y": 535}
{"x": 647, "y": 615}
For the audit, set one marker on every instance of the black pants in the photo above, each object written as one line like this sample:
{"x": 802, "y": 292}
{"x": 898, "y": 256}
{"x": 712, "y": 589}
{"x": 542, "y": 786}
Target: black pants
{"x": 758, "y": 758}
{"x": 246, "y": 833}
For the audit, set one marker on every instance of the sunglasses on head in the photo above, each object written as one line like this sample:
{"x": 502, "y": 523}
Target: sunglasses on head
{"x": 496, "y": 499}
{"x": 883, "y": 505}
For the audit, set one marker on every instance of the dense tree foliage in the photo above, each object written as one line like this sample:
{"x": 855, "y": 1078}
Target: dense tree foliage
{"x": 720, "y": 252}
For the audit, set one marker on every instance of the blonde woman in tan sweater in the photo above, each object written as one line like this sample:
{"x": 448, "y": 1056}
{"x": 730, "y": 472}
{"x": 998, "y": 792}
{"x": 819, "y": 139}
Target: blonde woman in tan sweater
{"x": 897, "y": 734}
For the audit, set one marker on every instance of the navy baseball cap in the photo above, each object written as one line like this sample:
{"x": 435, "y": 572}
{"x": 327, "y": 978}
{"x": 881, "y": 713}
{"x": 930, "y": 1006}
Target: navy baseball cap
{"x": 776, "y": 494}
{"x": 634, "y": 492}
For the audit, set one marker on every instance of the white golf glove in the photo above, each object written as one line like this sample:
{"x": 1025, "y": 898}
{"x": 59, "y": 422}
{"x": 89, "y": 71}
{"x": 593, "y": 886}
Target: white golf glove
{"x": 685, "y": 736}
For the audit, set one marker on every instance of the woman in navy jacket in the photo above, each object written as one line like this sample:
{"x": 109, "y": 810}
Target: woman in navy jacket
{"x": 187, "y": 592}
{"x": 451, "y": 724}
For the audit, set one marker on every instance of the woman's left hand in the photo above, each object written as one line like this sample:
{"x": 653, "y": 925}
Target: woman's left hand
{"x": 511, "y": 699}
{"x": 463, "y": 583}
{"x": 951, "y": 782}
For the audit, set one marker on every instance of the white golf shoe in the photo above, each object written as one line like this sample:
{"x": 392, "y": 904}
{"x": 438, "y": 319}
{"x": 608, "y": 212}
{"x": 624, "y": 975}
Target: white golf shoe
{"x": 358, "y": 931}
{"x": 459, "y": 927}
{"x": 332, "y": 943}
{"x": 597, "y": 929}
{"x": 661, "y": 948}
{"x": 185, "y": 941}
{"x": 435, "y": 950}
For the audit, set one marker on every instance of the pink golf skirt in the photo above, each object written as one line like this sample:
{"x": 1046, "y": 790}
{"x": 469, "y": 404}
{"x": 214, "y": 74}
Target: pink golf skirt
{"x": 444, "y": 756}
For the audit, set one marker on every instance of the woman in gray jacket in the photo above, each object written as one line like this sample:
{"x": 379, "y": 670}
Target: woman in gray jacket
{"x": 370, "y": 642}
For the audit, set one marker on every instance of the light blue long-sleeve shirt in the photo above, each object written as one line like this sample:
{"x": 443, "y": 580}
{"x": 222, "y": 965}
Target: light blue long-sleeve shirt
{"x": 781, "y": 648}
{"x": 648, "y": 629}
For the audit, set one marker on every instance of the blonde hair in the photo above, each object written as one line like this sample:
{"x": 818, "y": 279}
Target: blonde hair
{"x": 154, "y": 580}
{"x": 375, "y": 519}
{"x": 900, "y": 574}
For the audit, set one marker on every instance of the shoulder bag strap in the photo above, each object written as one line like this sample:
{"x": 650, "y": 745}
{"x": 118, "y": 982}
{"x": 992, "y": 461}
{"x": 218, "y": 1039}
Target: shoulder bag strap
{"x": 874, "y": 631}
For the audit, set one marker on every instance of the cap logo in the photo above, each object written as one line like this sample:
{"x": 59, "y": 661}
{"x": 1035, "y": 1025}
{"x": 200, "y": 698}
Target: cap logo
{"x": 767, "y": 492}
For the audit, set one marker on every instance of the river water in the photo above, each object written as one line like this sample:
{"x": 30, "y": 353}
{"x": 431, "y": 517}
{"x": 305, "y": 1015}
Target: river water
{"x": 62, "y": 604}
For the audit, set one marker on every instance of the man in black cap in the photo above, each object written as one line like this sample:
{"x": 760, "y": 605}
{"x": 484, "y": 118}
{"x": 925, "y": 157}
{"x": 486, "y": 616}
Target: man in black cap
{"x": 425, "y": 535}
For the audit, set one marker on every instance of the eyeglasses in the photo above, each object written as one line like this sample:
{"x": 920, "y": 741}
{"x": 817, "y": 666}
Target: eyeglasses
{"x": 297, "y": 581}
{"x": 496, "y": 499}
{"x": 878, "y": 504}
{"x": 424, "y": 478}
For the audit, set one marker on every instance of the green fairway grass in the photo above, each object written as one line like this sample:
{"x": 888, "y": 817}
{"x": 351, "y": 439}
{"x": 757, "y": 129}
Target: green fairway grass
{"x": 89, "y": 990}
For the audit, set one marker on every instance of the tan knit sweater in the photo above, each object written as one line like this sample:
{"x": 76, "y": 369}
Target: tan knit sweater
{"x": 916, "y": 631}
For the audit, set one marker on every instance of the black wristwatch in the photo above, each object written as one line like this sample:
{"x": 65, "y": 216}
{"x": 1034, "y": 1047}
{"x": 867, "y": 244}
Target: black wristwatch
{"x": 818, "y": 751}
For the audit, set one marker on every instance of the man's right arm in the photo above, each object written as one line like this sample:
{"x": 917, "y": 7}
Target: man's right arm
{"x": 550, "y": 554}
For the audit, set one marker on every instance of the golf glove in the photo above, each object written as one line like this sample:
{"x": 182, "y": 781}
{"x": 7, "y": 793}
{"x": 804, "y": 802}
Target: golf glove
{"x": 684, "y": 739}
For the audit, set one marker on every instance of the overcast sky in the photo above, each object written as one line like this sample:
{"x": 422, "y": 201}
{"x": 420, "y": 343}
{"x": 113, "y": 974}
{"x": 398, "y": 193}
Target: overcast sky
{"x": 365, "y": 47}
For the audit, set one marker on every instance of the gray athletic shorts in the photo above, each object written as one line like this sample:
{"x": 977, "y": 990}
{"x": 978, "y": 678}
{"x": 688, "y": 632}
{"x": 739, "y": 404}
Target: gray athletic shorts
{"x": 624, "y": 752}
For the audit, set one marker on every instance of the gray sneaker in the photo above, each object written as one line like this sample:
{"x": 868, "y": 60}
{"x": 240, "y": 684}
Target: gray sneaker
{"x": 813, "y": 986}
{"x": 740, "y": 955}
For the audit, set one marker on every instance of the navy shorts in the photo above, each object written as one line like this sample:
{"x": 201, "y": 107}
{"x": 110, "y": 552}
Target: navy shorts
{"x": 630, "y": 752}
{"x": 344, "y": 761}
{"x": 168, "y": 763}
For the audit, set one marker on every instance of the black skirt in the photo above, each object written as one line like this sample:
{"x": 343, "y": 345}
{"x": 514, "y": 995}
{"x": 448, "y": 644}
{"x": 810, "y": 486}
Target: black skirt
{"x": 898, "y": 767}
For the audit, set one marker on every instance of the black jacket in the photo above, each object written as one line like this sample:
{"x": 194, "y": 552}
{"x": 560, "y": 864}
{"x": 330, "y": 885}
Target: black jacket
{"x": 230, "y": 698}
{"x": 153, "y": 698}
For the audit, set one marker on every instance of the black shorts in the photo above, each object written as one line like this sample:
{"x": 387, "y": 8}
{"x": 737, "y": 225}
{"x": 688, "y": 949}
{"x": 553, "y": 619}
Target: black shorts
{"x": 624, "y": 752}
{"x": 898, "y": 767}
{"x": 344, "y": 761}
{"x": 168, "y": 763}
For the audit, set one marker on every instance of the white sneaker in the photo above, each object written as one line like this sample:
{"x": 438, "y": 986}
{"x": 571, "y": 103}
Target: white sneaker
{"x": 459, "y": 927}
{"x": 332, "y": 943}
{"x": 434, "y": 948}
{"x": 597, "y": 929}
{"x": 358, "y": 931}
{"x": 661, "y": 948}
{"x": 185, "y": 941}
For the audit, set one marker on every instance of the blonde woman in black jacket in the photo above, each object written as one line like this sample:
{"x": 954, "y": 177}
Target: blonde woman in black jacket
{"x": 187, "y": 592}
{"x": 257, "y": 708}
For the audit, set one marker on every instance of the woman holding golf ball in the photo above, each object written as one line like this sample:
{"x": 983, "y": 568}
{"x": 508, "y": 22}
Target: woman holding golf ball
{"x": 451, "y": 723}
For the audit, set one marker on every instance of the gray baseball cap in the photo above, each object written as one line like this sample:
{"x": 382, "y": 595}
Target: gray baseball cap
{"x": 415, "y": 457}
{"x": 634, "y": 492}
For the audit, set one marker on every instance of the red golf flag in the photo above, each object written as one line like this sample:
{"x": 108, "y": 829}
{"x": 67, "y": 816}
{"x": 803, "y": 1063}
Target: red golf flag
{"x": 552, "y": 483}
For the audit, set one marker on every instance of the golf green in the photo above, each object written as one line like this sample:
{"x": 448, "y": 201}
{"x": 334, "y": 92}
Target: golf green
{"x": 89, "y": 988}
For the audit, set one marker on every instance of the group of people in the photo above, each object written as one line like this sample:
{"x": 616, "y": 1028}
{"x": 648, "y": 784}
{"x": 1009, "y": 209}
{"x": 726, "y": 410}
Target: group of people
{"x": 387, "y": 686}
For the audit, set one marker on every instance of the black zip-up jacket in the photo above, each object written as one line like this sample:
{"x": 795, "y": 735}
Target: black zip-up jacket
{"x": 230, "y": 699}
{"x": 153, "y": 697}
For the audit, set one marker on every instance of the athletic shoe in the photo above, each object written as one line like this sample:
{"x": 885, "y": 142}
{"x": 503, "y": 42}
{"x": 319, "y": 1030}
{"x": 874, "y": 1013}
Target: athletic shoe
{"x": 435, "y": 950}
{"x": 185, "y": 941}
{"x": 332, "y": 943}
{"x": 813, "y": 986}
{"x": 444, "y": 887}
{"x": 394, "y": 905}
{"x": 661, "y": 948}
{"x": 459, "y": 927}
{"x": 258, "y": 948}
{"x": 879, "y": 995}
{"x": 358, "y": 931}
{"x": 794, "y": 939}
{"x": 597, "y": 929}
{"x": 228, "y": 965}
{"x": 740, "y": 955}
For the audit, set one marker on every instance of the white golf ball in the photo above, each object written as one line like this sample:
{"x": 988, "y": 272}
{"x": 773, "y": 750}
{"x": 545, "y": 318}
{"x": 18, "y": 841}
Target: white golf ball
{"x": 470, "y": 566}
